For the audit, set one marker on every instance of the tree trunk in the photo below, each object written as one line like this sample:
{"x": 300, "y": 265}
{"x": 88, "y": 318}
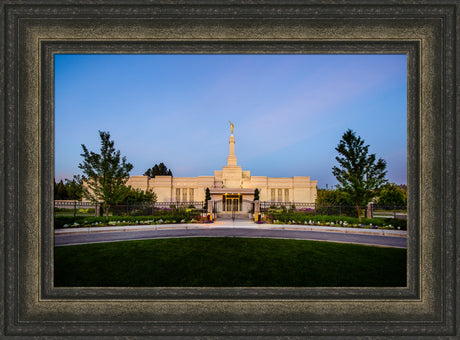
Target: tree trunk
{"x": 358, "y": 207}
{"x": 106, "y": 211}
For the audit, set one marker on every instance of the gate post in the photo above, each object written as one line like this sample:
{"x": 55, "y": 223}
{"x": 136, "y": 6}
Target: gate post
{"x": 369, "y": 210}
{"x": 257, "y": 211}
{"x": 210, "y": 209}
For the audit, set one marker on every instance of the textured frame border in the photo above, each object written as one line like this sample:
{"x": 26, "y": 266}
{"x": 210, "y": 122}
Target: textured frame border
{"x": 33, "y": 32}
{"x": 50, "y": 48}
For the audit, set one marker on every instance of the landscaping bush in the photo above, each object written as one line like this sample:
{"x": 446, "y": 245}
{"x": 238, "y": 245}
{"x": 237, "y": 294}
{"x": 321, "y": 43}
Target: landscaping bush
{"x": 296, "y": 217}
{"x": 66, "y": 210}
{"x": 78, "y": 210}
{"x": 149, "y": 210}
{"x": 172, "y": 217}
{"x": 140, "y": 210}
{"x": 336, "y": 210}
{"x": 397, "y": 223}
{"x": 310, "y": 211}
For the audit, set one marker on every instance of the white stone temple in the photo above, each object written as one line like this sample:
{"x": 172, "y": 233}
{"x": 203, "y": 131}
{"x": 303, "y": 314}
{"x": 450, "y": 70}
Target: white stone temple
{"x": 229, "y": 187}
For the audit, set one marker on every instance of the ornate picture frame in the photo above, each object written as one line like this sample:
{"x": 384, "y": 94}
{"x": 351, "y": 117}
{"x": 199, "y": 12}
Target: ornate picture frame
{"x": 33, "y": 32}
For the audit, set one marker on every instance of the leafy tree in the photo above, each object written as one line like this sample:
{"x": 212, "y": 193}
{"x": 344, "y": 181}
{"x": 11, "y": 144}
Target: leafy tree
{"x": 392, "y": 195}
{"x": 207, "y": 198}
{"x": 333, "y": 201}
{"x": 104, "y": 174}
{"x": 158, "y": 170}
{"x": 256, "y": 194}
{"x": 331, "y": 197}
{"x": 139, "y": 196}
{"x": 359, "y": 173}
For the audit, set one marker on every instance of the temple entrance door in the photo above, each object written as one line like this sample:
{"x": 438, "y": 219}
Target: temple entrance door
{"x": 232, "y": 203}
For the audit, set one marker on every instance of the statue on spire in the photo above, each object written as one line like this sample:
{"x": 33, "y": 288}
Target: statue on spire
{"x": 231, "y": 127}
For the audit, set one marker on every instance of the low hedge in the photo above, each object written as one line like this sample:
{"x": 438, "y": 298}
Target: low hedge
{"x": 187, "y": 216}
{"x": 171, "y": 217}
{"x": 397, "y": 223}
{"x": 71, "y": 210}
{"x": 301, "y": 218}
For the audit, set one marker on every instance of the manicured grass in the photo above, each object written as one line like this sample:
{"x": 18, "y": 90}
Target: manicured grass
{"x": 228, "y": 262}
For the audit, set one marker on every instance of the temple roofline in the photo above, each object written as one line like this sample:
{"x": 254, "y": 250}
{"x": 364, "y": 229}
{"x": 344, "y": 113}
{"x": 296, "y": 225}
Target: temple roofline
{"x": 246, "y": 191}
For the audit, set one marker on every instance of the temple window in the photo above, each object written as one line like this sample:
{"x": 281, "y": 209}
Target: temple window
{"x": 280, "y": 195}
{"x": 178, "y": 194}
{"x": 191, "y": 194}
{"x": 273, "y": 195}
{"x": 286, "y": 195}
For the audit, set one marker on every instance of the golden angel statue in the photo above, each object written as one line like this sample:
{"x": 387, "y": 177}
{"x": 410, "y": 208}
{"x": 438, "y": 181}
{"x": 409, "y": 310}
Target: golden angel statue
{"x": 231, "y": 127}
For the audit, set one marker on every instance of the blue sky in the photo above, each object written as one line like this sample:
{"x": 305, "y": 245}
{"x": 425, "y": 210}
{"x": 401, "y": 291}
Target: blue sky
{"x": 289, "y": 111}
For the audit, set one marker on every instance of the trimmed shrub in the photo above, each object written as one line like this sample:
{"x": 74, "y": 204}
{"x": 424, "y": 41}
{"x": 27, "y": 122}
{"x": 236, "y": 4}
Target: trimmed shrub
{"x": 60, "y": 221}
{"x": 302, "y": 217}
{"x": 397, "y": 222}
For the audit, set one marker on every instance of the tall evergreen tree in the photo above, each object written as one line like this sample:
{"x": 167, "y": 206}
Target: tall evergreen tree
{"x": 158, "y": 170}
{"x": 359, "y": 173}
{"x": 59, "y": 190}
{"x": 74, "y": 188}
{"x": 256, "y": 194}
{"x": 105, "y": 174}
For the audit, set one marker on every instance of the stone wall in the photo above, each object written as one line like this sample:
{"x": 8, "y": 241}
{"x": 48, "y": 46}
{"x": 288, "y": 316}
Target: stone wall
{"x": 170, "y": 189}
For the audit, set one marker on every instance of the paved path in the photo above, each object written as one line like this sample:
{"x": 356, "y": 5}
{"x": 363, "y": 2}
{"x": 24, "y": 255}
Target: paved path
{"x": 224, "y": 229}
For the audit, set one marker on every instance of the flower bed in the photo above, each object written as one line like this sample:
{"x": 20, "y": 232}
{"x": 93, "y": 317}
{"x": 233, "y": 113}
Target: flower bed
{"x": 302, "y": 218}
{"x": 172, "y": 217}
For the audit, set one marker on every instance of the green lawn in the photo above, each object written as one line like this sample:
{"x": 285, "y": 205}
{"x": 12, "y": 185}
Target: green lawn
{"x": 228, "y": 262}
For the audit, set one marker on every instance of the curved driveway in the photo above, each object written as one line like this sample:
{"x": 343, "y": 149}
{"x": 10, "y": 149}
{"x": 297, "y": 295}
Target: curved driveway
{"x": 113, "y": 236}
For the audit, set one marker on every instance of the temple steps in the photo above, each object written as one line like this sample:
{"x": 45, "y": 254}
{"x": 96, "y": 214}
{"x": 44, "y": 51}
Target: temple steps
{"x": 228, "y": 216}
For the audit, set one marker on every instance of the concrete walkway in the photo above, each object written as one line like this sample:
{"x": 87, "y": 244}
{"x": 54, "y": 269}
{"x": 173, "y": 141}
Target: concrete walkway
{"x": 148, "y": 234}
{"x": 239, "y": 224}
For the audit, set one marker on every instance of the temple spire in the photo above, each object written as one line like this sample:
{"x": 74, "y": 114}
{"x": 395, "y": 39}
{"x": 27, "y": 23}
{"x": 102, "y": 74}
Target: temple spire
{"x": 231, "y": 159}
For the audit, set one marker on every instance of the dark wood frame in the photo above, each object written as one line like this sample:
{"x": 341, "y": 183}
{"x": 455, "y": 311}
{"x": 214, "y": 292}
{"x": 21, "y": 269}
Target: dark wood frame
{"x": 34, "y": 31}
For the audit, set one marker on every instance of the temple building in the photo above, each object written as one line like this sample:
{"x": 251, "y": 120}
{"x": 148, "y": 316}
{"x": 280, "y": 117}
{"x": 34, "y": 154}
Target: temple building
{"x": 232, "y": 188}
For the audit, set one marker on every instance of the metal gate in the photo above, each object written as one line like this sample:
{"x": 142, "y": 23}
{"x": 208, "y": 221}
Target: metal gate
{"x": 247, "y": 206}
{"x": 233, "y": 206}
{"x": 217, "y": 208}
